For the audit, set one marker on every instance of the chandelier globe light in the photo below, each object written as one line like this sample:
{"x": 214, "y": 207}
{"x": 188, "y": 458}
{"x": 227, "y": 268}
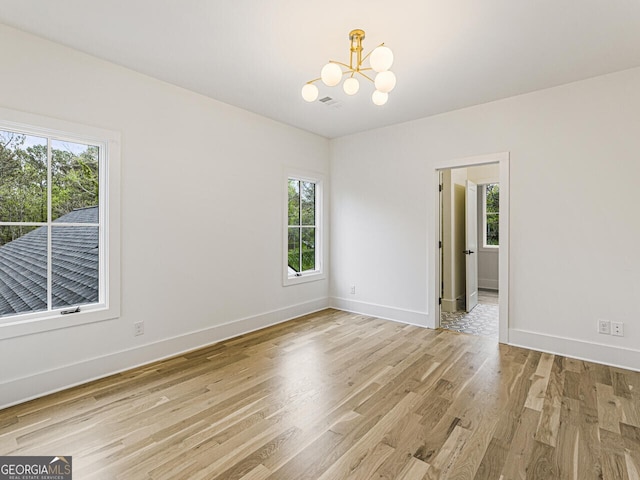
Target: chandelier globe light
{"x": 385, "y": 81}
{"x": 331, "y": 74}
{"x": 310, "y": 92}
{"x": 351, "y": 86}
{"x": 379, "y": 98}
{"x": 380, "y": 61}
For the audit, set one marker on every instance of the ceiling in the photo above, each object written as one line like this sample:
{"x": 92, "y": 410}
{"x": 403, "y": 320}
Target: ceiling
{"x": 257, "y": 54}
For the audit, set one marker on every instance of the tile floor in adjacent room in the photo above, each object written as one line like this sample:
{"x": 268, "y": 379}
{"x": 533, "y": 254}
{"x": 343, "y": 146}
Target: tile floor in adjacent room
{"x": 482, "y": 320}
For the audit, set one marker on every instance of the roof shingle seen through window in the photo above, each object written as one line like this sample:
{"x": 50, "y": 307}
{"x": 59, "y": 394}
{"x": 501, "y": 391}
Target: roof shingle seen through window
{"x": 75, "y": 261}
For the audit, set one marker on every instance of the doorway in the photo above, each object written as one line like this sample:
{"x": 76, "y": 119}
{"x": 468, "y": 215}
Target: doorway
{"x": 472, "y": 274}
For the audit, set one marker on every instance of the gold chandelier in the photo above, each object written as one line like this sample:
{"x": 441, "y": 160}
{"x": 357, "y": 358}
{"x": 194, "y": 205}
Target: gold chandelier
{"x": 380, "y": 60}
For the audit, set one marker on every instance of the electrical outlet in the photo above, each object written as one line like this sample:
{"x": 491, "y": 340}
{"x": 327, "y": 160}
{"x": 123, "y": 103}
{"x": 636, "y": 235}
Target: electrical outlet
{"x": 604, "y": 327}
{"x": 353, "y": 289}
{"x": 138, "y": 328}
{"x": 617, "y": 329}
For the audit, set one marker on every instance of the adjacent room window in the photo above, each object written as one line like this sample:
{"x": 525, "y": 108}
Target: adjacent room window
{"x": 54, "y": 235}
{"x": 303, "y": 259}
{"x": 491, "y": 215}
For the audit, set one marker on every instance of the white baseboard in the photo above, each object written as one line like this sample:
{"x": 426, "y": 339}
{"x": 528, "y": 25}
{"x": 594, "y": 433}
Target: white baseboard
{"x": 449, "y": 305}
{"x": 43, "y": 383}
{"x": 582, "y": 350}
{"x": 402, "y": 315}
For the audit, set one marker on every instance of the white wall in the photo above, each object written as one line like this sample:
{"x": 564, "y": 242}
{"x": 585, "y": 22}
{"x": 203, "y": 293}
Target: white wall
{"x": 484, "y": 173}
{"x": 574, "y": 225}
{"x": 202, "y": 212}
{"x": 574, "y": 221}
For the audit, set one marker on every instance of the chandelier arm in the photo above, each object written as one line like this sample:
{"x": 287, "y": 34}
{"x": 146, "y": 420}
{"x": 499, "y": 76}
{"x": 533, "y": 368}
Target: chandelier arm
{"x": 366, "y": 76}
{"x": 314, "y": 80}
{"x": 343, "y": 64}
{"x": 367, "y": 55}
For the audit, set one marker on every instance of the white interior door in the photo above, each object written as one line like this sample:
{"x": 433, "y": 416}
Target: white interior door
{"x": 471, "y": 245}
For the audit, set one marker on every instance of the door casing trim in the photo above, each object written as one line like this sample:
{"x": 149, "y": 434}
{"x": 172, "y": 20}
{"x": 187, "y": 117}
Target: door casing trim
{"x": 502, "y": 159}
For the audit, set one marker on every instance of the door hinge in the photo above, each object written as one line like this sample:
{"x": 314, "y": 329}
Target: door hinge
{"x": 440, "y": 301}
{"x": 440, "y": 244}
{"x": 440, "y": 187}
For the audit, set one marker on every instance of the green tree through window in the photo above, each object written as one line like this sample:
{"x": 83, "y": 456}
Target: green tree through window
{"x": 492, "y": 214}
{"x": 301, "y": 232}
{"x": 23, "y": 180}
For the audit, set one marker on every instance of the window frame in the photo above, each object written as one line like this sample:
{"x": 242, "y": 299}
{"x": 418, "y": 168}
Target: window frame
{"x": 484, "y": 218}
{"x": 108, "y": 306}
{"x": 318, "y": 273}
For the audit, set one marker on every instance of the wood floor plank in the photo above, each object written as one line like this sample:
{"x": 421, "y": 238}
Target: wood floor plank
{"x": 413, "y": 470}
{"x": 630, "y": 411}
{"x": 493, "y": 460}
{"x": 335, "y": 395}
{"x": 259, "y": 473}
{"x": 609, "y": 409}
{"x": 365, "y": 468}
{"x": 631, "y": 441}
{"x": 614, "y": 463}
{"x": 568, "y": 439}
{"x": 404, "y": 438}
{"x": 540, "y": 379}
{"x": 448, "y": 455}
{"x": 547, "y": 431}
{"x": 541, "y": 465}
{"x": 522, "y": 445}
{"x": 343, "y": 467}
{"x": 632, "y": 466}
{"x": 589, "y": 461}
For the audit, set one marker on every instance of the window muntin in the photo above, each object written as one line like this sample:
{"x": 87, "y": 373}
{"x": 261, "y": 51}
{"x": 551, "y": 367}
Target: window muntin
{"x": 491, "y": 210}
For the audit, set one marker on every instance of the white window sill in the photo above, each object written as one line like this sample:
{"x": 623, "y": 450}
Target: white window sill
{"x": 31, "y": 323}
{"x": 304, "y": 278}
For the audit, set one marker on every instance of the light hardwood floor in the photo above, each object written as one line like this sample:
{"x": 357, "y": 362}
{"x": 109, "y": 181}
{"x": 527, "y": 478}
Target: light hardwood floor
{"x": 334, "y": 396}
{"x": 488, "y": 297}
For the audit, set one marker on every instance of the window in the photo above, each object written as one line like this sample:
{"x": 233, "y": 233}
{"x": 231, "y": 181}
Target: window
{"x": 491, "y": 215}
{"x": 303, "y": 252}
{"x": 58, "y": 198}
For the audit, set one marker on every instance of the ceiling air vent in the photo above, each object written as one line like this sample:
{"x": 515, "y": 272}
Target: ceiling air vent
{"x": 330, "y": 102}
